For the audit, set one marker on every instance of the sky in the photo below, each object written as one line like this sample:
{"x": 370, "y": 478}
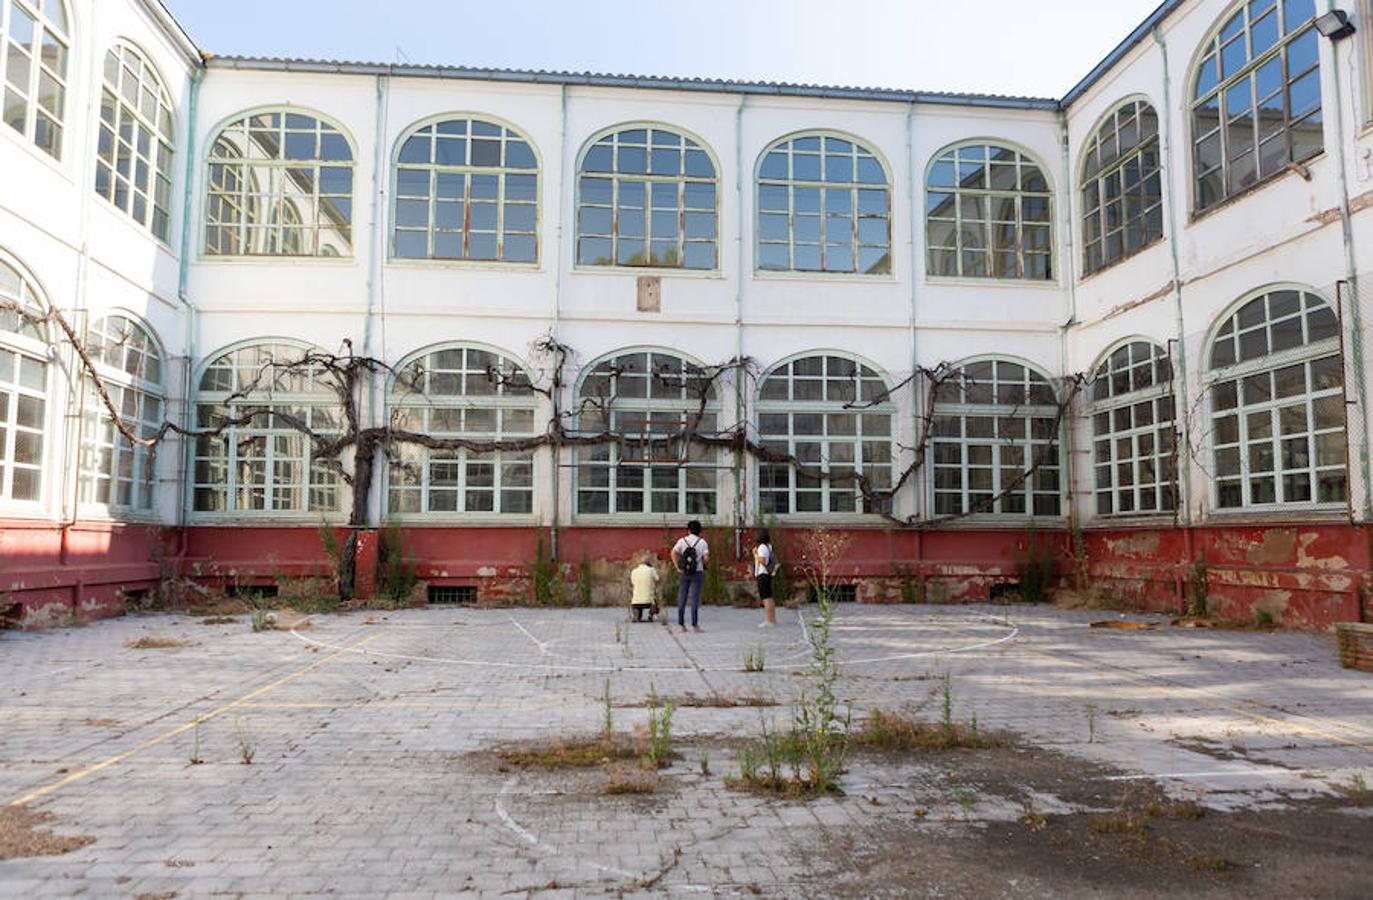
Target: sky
{"x": 1035, "y": 48}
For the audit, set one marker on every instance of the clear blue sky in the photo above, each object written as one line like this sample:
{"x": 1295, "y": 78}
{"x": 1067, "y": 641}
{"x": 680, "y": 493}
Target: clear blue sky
{"x": 1031, "y": 47}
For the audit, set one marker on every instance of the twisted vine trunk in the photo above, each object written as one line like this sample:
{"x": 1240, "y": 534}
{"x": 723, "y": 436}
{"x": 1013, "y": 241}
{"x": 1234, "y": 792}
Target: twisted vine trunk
{"x": 364, "y": 469}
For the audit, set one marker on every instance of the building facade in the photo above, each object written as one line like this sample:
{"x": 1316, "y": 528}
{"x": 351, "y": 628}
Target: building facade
{"x": 1128, "y": 321}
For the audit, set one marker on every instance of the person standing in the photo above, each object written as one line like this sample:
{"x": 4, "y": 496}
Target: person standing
{"x": 764, "y": 564}
{"x": 690, "y": 555}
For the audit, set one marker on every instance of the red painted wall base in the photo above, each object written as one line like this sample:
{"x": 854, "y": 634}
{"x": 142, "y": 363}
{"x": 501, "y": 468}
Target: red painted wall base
{"x": 1306, "y": 576}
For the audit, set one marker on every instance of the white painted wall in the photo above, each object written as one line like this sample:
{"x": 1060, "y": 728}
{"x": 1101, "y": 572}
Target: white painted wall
{"x": 89, "y": 258}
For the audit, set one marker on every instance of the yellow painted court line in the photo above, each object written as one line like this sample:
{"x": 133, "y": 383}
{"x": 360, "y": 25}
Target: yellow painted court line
{"x": 180, "y": 729}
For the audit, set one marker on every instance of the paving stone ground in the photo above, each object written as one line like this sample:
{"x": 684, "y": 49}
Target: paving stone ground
{"x": 370, "y": 776}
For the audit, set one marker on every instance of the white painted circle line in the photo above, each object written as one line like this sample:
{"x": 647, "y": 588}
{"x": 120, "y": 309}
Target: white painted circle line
{"x": 557, "y": 667}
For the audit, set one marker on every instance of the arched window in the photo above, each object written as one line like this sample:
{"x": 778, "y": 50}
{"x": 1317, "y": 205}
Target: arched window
{"x": 1256, "y": 98}
{"x": 989, "y": 215}
{"x": 280, "y": 183}
{"x": 1133, "y": 443}
{"x": 266, "y": 465}
{"x": 463, "y": 393}
{"x": 115, "y": 472}
{"x": 834, "y": 415}
{"x": 823, "y": 206}
{"x": 1277, "y": 404}
{"x": 647, "y": 196}
{"x": 466, "y": 189}
{"x": 994, "y": 436}
{"x": 646, "y": 399}
{"x": 133, "y": 168}
{"x": 34, "y": 43}
{"x": 23, "y": 390}
{"x": 1122, "y": 187}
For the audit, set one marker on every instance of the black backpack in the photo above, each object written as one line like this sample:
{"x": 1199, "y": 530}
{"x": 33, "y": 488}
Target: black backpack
{"x": 689, "y": 557}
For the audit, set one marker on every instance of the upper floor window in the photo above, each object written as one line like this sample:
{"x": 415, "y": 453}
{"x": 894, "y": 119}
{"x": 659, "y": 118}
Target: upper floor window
{"x": 115, "y": 472}
{"x": 133, "y": 168}
{"x": 280, "y": 183}
{"x": 273, "y": 407}
{"x": 824, "y": 205}
{"x": 1256, "y": 99}
{"x": 647, "y": 196}
{"x": 651, "y": 401}
{"x": 989, "y": 215}
{"x": 23, "y": 390}
{"x": 1277, "y": 404}
{"x": 34, "y": 49}
{"x": 1133, "y": 444}
{"x": 994, "y": 435}
{"x": 466, "y": 189}
{"x": 462, "y": 394}
{"x": 833, "y": 415}
{"x": 1122, "y": 187}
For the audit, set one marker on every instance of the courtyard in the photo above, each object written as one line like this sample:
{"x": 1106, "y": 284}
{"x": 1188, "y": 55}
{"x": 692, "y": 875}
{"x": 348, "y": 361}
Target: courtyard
{"x": 372, "y": 753}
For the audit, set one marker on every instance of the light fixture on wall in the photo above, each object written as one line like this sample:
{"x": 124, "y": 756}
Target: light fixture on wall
{"x": 1335, "y": 25}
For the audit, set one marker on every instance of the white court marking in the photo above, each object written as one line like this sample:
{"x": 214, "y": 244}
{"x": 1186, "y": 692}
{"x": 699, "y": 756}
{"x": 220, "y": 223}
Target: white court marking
{"x": 1012, "y": 633}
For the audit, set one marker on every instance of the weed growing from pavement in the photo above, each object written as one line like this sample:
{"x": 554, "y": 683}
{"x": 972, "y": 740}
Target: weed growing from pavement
{"x": 608, "y": 726}
{"x": 570, "y": 753}
{"x": 659, "y": 730}
{"x": 948, "y": 700}
{"x": 247, "y": 741}
{"x": 156, "y": 642}
{"x": 630, "y": 780}
{"x": 1091, "y": 723}
{"x": 196, "y": 759}
{"x": 893, "y": 731}
{"x": 755, "y": 658}
{"x": 1118, "y": 823}
{"x": 219, "y": 620}
{"x": 1358, "y": 789}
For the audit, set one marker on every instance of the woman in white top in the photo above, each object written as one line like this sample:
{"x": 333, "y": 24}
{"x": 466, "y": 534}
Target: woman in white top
{"x": 764, "y": 562}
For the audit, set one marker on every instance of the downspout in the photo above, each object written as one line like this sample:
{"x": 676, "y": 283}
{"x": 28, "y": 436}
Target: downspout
{"x": 556, "y": 399}
{"x": 375, "y": 253}
{"x": 1351, "y": 276}
{"x": 918, "y": 482}
{"x": 189, "y": 386}
{"x": 1067, "y": 261}
{"x": 1182, "y": 451}
{"x": 739, "y": 409}
{"x": 1182, "y": 504}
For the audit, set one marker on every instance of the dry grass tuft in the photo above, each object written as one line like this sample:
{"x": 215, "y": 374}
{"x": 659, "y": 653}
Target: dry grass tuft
{"x": 156, "y": 642}
{"x": 20, "y": 837}
{"x": 570, "y": 753}
{"x": 1118, "y": 823}
{"x": 1206, "y": 862}
{"x": 887, "y": 730}
{"x": 1181, "y": 809}
{"x": 710, "y": 701}
{"x": 630, "y": 780}
{"x": 219, "y": 620}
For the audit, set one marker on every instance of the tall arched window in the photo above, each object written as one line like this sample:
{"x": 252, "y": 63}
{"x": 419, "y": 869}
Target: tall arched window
{"x": 280, "y": 183}
{"x": 1122, "y": 187}
{"x": 995, "y": 442}
{"x": 463, "y": 393}
{"x": 466, "y": 188}
{"x": 133, "y": 168}
{"x": 1277, "y": 404}
{"x": 23, "y": 390}
{"x": 35, "y": 38}
{"x": 989, "y": 215}
{"x": 265, "y": 465}
{"x": 824, "y": 205}
{"x": 646, "y": 399}
{"x": 1256, "y": 98}
{"x": 1133, "y": 442}
{"x": 647, "y": 196}
{"x": 833, "y": 414}
{"x": 115, "y": 472}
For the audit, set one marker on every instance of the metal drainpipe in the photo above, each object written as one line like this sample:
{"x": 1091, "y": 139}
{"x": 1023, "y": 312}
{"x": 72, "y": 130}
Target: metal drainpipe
{"x": 1183, "y": 450}
{"x": 192, "y": 312}
{"x": 1067, "y": 261}
{"x": 376, "y": 252}
{"x": 1352, "y": 276}
{"x": 556, "y": 451}
{"x": 917, "y": 483}
{"x": 739, "y": 327}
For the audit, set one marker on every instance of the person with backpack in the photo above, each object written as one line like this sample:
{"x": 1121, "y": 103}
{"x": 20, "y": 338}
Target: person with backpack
{"x": 690, "y": 555}
{"x": 764, "y": 565}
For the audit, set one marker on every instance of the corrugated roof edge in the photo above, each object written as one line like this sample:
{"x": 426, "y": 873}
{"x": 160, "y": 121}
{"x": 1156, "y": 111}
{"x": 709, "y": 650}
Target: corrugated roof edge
{"x": 528, "y": 76}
